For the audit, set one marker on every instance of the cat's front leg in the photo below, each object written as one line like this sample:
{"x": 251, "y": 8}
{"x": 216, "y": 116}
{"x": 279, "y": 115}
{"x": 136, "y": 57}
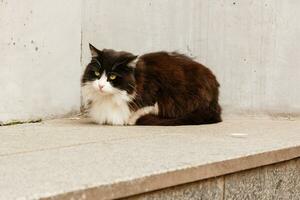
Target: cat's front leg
{"x": 141, "y": 112}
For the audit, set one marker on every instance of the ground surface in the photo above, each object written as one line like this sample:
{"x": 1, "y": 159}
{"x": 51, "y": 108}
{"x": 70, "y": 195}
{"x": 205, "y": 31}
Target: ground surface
{"x": 74, "y": 157}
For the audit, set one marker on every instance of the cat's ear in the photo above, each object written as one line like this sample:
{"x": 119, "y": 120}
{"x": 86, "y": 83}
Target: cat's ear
{"x": 126, "y": 59}
{"x": 131, "y": 60}
{"x": 94, "y": 51}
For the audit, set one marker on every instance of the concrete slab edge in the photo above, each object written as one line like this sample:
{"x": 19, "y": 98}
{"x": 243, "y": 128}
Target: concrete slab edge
{"x": 181, "y": 176}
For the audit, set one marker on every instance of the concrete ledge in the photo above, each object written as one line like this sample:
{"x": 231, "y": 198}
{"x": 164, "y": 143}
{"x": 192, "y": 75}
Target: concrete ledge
{"x": 277, "y": 181}
{"x": 61, "y": 159}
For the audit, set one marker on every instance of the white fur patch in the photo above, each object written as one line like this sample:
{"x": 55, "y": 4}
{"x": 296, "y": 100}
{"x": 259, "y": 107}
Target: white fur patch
{"x": 133, "y": 63}
{"x": 109, "y": 106}
{"x": 143, "y": 111}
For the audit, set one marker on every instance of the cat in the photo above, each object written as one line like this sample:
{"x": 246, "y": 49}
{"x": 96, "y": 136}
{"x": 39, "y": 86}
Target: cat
{"x": 160, "y": 88}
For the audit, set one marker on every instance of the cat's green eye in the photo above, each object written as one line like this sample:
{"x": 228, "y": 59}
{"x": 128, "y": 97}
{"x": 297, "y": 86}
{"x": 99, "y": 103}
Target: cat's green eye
{"x": 112, "y": 77}
{"x": 97, "y": 73}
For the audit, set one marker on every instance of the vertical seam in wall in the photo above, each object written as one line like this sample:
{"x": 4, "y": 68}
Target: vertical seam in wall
{"x": 81, "y": 45}
{"x": 81, "y": 66}
{"x": 207, "y": 30}
{"x": 81, "y": 40}
{"x": 81, "y": 30}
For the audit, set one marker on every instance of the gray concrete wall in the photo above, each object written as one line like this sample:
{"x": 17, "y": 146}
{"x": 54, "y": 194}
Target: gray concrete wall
{"x": 39, "y": 58}
{"x": 252, "y": 46}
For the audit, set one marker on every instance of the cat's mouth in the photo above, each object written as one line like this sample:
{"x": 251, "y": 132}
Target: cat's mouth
{"x": 102, "y": 92}
{"x": 100, "y": 89}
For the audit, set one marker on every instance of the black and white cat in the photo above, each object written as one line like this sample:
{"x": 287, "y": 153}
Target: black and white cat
{"x": 158, "y": 88}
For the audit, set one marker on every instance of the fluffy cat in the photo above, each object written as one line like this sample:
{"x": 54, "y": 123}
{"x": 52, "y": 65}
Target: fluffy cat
{"x": 158, "y": 88}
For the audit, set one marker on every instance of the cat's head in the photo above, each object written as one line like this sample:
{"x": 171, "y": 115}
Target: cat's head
{"x": 109, "y": 72}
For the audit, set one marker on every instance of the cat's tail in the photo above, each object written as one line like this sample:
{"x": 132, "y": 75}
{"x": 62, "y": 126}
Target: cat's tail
{"x": 195, "y": 118}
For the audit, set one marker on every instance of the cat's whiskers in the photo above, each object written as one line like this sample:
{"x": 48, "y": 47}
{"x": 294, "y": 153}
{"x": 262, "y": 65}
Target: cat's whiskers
{"x": 134, "y": 96}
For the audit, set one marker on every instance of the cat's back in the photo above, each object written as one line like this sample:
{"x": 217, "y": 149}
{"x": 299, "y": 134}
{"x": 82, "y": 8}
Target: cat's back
{"x": 174, "y": 66}
{"x": 164, "y": 58}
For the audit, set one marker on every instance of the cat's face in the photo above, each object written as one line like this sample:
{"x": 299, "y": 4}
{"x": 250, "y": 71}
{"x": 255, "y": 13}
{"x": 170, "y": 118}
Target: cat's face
{"x": 108, "y": 72}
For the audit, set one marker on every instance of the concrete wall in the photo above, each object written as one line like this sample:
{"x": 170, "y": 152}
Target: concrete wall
{"x": 252, "y": 46}
{"x": 39, "y": 58}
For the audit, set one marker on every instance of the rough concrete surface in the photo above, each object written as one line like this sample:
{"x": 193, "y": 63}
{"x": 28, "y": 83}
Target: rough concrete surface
{"x": 279, "y": 181}
{"x": 271, "y": 182}
{"x": 74, "y": 158}
{"x": 39, "y": 58}
{"x": 210, "y": 189}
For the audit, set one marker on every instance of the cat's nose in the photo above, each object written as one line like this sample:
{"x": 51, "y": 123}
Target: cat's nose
{"x": 100, "y": 87}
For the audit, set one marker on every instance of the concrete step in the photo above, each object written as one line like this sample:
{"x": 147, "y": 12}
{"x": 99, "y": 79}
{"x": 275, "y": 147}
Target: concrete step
{"x": 73, "y": 158}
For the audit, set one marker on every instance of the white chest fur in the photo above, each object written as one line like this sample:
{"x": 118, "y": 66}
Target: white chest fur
{"x": 107, "y": 109}
{"x": 113, "y": 108}
{"x": 110, "y": 110}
